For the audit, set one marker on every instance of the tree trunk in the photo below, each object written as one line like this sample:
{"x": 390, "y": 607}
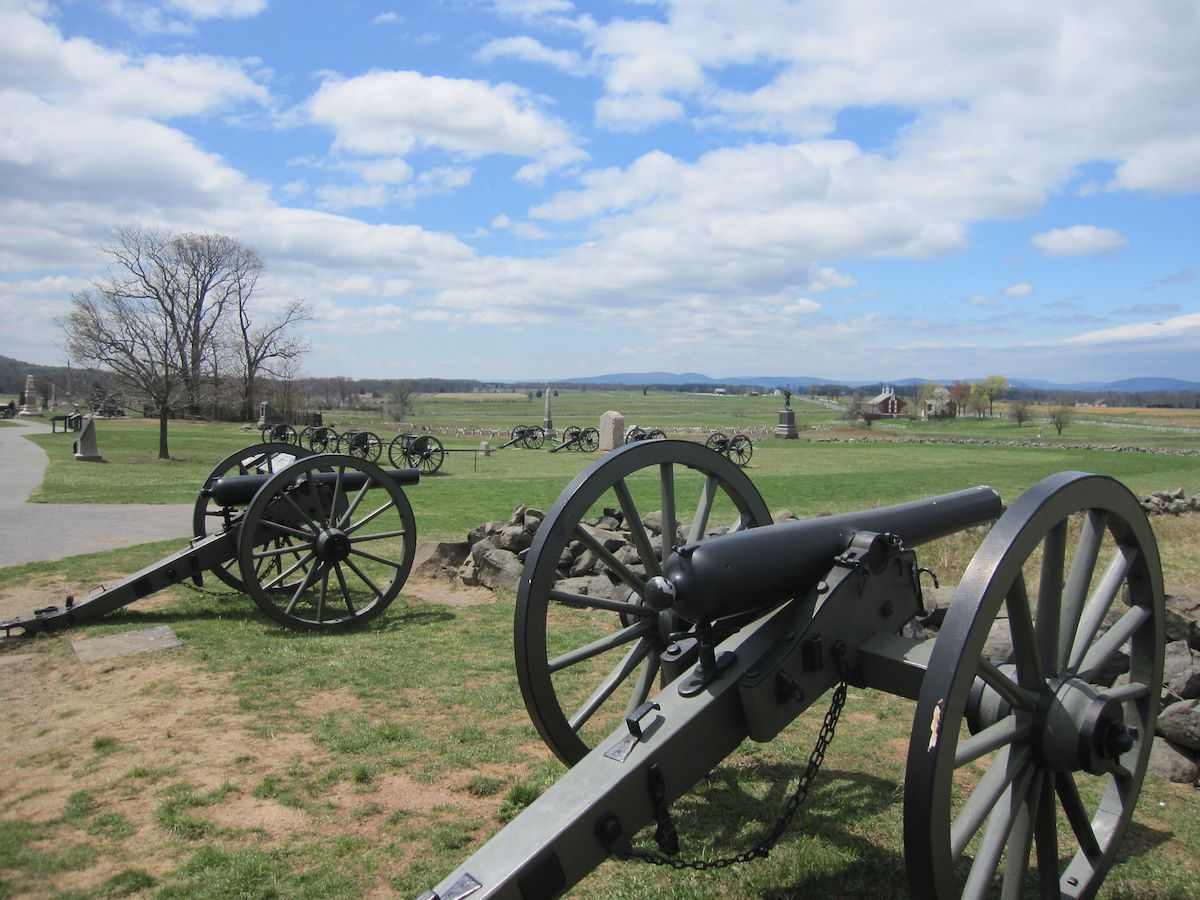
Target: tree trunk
{"x": 162, "y": 432}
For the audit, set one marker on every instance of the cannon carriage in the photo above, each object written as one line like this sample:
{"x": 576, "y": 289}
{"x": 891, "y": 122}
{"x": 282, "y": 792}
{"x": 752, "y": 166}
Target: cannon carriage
{"x": 739, "y": 448}
{"x": 320, "y": 542}
{"x": 1026, "y": 755}
{"x": 585, "y": 440}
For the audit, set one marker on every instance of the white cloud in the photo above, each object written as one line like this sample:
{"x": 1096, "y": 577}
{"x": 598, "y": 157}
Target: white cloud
{"x": 1020, "y": 289}
{"x": 981, "y": 300}
{"x": 387, "y": 18}
{"x": 1078, "y": 240}
{"x": 219, "y": 9}
{"x": 529, "y": 49}
{"x": 395, "y": 113}
{"x": 1179, "y": 326}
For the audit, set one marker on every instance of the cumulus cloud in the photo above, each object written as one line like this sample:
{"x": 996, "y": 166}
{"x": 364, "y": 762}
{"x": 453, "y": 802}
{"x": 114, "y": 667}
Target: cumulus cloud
{"x": 395, "y": 113}
{"x": 1078, "y": 240}
{"x": 1020, "y": 289}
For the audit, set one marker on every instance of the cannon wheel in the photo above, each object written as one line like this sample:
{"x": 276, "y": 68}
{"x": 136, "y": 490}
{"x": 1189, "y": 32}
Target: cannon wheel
{"x": 740, "y": 449}
{"x": 717, "y": 441}
{"x": 518, "y": 432}
{"x": 634, "y": 434}
{"x": 363, "y": 445}
{"x": 349, "y": 554}
{"x": 656, "y": 434}
{"x": 589, "y": 440}
{"x": 323, "y": 439}
{"x": 1005, "y": 751}
{"x": 208, "y": 517}
{"x": 398, "y": 450}
{"x": 584, "y": 661}
{"x": 534, "y": 437}
{"x": 427, "y": 454}
{"x": 279, "y": 434}
{"x": 571, "y": 433}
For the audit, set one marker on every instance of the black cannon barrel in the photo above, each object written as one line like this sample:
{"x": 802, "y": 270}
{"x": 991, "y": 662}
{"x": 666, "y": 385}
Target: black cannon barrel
{"x": 239, "y": 490}
{"x": 760, "y": 567}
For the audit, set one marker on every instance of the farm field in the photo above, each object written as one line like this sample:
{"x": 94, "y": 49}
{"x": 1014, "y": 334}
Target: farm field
{"x": 260, "y": 762}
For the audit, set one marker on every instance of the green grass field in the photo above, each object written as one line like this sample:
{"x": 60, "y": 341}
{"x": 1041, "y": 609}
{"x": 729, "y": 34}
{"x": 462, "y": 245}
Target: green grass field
{"x": 259, "y": 762}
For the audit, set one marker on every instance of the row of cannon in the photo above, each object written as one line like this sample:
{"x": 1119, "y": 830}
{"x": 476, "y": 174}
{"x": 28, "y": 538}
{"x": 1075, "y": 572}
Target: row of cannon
{"x": 422, "y": 452}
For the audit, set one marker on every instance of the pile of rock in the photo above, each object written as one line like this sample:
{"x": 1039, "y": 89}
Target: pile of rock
{"x": 1173, "y": 503}
{"x": 1176, "y": 751}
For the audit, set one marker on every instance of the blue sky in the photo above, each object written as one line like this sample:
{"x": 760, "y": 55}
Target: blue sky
{"x": 539, "y": 189}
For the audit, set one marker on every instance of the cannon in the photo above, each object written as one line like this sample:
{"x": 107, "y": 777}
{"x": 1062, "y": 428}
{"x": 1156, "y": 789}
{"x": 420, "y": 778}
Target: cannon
{"x": 637, "y": 433}
{"x": 738, "y": 448}
{"x": 320, "y": 542}
{"x": 531, "y": 437}
{"x": 585, "y": 440}
{"x": 1026, "y": 754}
{"x": 423, "y": 452}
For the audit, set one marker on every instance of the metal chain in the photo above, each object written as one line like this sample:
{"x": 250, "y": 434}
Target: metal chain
{"x": 763, "y": 848}
{"x": 205, "y": 592}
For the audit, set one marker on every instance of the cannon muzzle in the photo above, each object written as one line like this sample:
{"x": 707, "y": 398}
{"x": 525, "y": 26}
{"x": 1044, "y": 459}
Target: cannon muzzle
{"x": 761, "y": 567}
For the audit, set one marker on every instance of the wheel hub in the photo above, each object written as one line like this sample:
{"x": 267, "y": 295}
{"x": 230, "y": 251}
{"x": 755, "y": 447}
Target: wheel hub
{"x": 1075, "y": 726}
{"x": 332, "y": 545}
{"x": 1078, "y": 728}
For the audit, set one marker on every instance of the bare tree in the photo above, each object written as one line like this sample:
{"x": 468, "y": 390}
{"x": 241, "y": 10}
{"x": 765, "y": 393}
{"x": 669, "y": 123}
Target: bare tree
{"x": 133, "y": 338}
{"x": 267, "y": 348}
{"x": 154, "y": 317}
{"x": 1060, "y": 417}
{"x": 1019, "y": 411}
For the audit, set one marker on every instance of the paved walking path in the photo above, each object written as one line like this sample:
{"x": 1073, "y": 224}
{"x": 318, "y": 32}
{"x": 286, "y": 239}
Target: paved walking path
{"x": 33, "y": 532}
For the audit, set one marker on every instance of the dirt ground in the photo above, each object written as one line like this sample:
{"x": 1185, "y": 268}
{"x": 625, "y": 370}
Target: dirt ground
{"x": 165, "y": 714}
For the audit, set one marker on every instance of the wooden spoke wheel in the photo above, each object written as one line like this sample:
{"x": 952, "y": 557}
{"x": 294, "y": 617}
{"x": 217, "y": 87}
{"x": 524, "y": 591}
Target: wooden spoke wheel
{"x": 209, "y": 517}
{"x": 635, "y": 434}
{"x": 351, "y": 540}
{"x": 716, "y": 441}
{"x": 518, "y": 432}
{"x": 1027, "y": 751}
{"x": 571, "y": 433}
{"x": 323, "y": 439}
{"x": 363, "y": 445}
{"x": 589, "y": 440}
{"x": 740, "y": 449}
{"x": 588, "y": 648}
{"x": 656, "y": 434}
{"x": 534, "y": 437}
{"x": 426, "y": 453}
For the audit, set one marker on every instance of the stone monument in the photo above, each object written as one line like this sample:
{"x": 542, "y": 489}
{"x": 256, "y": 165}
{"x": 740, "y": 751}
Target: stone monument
{"x": 85, "y": 446}
{"x": 548, "y": 421}
{"x": 612, "y": 431}
{"x": 31, "y": 406}
{"x": 787, "y": 419}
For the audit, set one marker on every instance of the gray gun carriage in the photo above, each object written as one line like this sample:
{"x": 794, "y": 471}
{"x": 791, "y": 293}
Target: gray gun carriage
{"x": 320, "y": 542}
{"x": 1024, "y": 763}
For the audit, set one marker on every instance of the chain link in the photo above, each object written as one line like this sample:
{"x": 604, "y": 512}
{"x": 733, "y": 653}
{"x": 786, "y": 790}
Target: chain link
{"x": 205, "y": 592}
{"x": 763, "y": 848}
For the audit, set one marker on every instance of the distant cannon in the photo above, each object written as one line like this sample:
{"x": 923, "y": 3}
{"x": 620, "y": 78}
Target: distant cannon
{"x": 1027, "y": 752}
{"x": 641, "y": 434}
{"x": 423, "y": 452}
{"x": 586, "y": 440}
{"x": 320, "y": 542}
{"x": 738, "y": 448}
{"x": 531, "y": 437}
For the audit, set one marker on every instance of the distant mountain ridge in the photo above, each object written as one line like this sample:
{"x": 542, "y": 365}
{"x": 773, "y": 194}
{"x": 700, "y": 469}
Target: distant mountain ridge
{"x": 1140, "y": 385}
